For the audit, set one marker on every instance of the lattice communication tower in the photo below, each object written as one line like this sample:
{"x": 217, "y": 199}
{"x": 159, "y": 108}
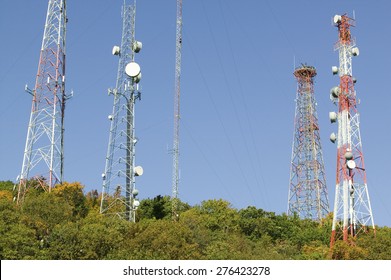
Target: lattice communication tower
{"x": 307, "y": 186}
{"x": 119, "y": 192}
{"x": 178, "y": 56}
{"x": 352, "y": 207}
{"x": 43, "y": 158}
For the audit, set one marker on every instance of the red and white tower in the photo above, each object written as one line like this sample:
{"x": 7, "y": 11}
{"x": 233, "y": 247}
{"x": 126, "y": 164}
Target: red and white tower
{"x": 352, "y": 207}
{"x": 44, "y": 152}
{"x": 307, "y": 184}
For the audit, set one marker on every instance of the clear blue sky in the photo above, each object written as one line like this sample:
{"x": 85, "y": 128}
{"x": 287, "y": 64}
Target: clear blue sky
{"x": 237, "y": 99}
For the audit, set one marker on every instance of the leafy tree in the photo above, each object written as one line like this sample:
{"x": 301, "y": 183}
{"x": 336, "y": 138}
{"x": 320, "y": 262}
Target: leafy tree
{"x": 66, "y": 224}
{"x": 218, "y": 215}
{"x": 315, "y": 250}
{"x": 101, "y": 235}
{"x": 159, "y": 208}
{"x": 17, "y": 241}
{"x": 256, "y": 223}
{"x": 266, "y": 249}
{"x": 44, "y": 211}
{"x": 287, "y": 250}
{"x": 231, "y": 246}
{"x": 6, "y": 186}
{"x": 348, "y": 251}
{"x": 93, "y": 200}
{"x": 202, "y": 236}
{"x": 93, "y": 238}
{"x": 73, "y": 194}
{"x": 7, "y": 190}
{"x": 379, "y": 245}
{"x": 64, "y": 242}
{"x": 307, "y": 231}
{"x": 6, "y": 195}
{"x": 163, "y": 239}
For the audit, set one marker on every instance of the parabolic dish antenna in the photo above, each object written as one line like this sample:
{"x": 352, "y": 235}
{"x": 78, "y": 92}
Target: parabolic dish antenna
{"x": 132, "y": 69}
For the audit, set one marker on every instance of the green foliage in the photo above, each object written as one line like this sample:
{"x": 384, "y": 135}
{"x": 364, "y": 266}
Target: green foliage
{"x": 66, "y": 224}
{"x": 159, "y": 208}
{"x": 6, "y": 186}
{"x": 348, "y": 251}
{"x": 44, "y": 211}
{"x": 17, "y": 241}
{"x": 231, "y": 246}
{"x": 93, "y": 200}
{"x": 218, "y": 215}
{"x": 378, "y": 246}
{"x": 72, "y": 193}
{"x": 95, "y": 237}
{"x": 163, "y": 239}
{"x": 315, "y": 250}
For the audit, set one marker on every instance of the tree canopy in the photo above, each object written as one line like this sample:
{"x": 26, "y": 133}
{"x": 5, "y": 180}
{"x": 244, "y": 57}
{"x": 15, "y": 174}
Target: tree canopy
{"x": 66, "y": 224}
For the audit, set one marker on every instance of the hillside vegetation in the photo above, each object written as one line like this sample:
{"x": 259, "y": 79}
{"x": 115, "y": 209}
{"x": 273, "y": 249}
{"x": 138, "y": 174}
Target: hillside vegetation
{"x": 66, "y": 224}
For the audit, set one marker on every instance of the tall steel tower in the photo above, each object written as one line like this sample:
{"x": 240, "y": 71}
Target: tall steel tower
{"x": 178, "y": 56}
{"x": 352, "y": 207}
{"x": 44, "y": 151}
{"x": 119, "y": 192}
{"x": 307, "y": 185}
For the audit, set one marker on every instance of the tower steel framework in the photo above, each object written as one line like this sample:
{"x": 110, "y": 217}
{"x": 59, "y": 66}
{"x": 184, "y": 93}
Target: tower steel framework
{"x": 307, "y": 187}
{"x": 178, "y": 56}
{"x": 44, "y": 149}
{"x": 119, "y": 192}
{"x": 352, "y": 207}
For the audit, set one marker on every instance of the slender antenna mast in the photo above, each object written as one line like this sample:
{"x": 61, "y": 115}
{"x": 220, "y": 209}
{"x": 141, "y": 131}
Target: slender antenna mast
{"x": 44, "y": 150}
{"x": 352, "y": 206}
{"x": 119, "y": 192}
{"x": 178, "y": 54}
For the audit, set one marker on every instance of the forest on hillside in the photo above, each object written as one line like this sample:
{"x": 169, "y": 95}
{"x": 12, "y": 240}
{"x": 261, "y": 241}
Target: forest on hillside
{"x": 65, "y": 224}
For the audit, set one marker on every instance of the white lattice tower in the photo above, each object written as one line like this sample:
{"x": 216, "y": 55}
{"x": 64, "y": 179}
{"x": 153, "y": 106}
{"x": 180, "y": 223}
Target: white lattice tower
{"x": 178, "y": 56}
{"x": 118, "y": 191}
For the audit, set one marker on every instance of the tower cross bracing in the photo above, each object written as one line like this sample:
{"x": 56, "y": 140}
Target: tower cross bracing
{"x": 307, "y": 196}
{"x": 118, "y": 190}
{"x": 43, "y": 158}
{"x": 352, "y": 207}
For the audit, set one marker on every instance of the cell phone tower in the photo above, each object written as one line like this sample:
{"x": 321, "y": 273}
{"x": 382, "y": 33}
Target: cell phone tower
{"x": 119, "y": 192}
{"x": 178, "y": 58}
{"x": 44, "y": 151}
{"x": 307, "y": 185}
{"x": 352, "y": 206}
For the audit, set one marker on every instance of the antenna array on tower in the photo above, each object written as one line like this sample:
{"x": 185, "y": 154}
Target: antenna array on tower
{"x": 118, "y": 191}
{"x": 308, "y": 198}
{"x": 352, "y": 207}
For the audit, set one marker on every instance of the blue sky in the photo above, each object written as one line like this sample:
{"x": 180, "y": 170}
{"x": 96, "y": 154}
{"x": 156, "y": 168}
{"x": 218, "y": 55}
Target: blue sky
{"x": 237, "y": 100}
